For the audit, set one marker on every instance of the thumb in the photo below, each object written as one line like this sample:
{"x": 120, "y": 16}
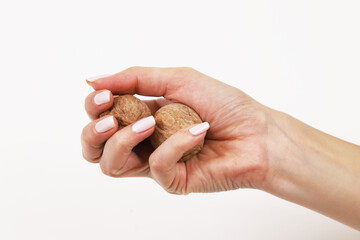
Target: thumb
{"x": 164, "y": 165}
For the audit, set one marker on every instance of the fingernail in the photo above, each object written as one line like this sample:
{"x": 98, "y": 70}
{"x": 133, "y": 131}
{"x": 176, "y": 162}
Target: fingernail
{"x": 105, "y": 124}
{"x": 93, "y": 79}
{"x": 143, "y": 124}
{"x": 102, "y": 97}
{"x": 200, "y": 128}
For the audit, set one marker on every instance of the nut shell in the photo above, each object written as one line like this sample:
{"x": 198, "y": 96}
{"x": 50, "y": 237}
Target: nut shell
{"x": 172, "y": 118}
{"x": 127, "y": 109}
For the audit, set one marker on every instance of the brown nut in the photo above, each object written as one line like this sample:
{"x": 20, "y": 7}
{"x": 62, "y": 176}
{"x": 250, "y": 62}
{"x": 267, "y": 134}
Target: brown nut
{"x": 127, "y": 109}
{"x": 170, "y": 119}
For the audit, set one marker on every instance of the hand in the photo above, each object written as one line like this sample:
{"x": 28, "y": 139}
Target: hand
{"x": 247, "y": 144}
{"x": 234, "y": 154}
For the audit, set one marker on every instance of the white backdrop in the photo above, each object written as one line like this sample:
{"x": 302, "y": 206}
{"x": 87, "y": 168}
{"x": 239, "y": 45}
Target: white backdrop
{"x": 301, "y": 57}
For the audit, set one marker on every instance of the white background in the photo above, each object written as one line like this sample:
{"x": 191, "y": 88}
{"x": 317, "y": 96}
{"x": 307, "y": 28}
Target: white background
{"x": 301, "y": 57}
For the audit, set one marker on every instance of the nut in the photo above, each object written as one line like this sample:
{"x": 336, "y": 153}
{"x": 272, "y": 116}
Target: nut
{"x": 170, "y": 119}
{"x": 127, "y": 109}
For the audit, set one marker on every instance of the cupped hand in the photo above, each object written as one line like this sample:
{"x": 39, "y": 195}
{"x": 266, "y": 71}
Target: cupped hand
{"x": 234, "y": 154}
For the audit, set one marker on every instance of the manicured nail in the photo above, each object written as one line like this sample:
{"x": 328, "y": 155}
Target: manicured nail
{"x": 93, "y": 79}
{"x": 200, "y": 128}
{"x": 105, "y": 124}
{"x": 102, "y": 97}
{"x": 143, "y": 124}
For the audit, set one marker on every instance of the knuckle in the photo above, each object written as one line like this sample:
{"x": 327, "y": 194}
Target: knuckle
{"x": 174, "y": 189}
{"x": 86, "y": 133}
{"x": 155, "y": 164}
{"x": 88, "y": 137}
{"x": 183, "y": 73}
{"x": 87, "y": 104}
{"x": 86, "y": 101}
{"x": 172, "y": 192}
{"x": 89, "y": 159}
{"x": 188, "y": 69}
{"x": 106, "y": 170}
{"x": 177, "y": 146}
{"x": 121, "y": 145}
{"x": 132, "y": 69}
{"x": 171, "y": 189}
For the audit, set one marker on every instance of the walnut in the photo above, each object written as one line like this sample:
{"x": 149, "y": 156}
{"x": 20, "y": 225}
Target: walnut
{"x": 170, "y": 119}
{"x": 127, "y": 109}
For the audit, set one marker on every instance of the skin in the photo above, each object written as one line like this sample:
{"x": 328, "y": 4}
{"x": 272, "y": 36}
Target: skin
{"x": 248, "y": 145}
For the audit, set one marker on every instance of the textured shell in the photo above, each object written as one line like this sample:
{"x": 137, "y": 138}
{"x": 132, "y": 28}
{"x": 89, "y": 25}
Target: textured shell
{"x": 170, "y": 119}
{"x": 127, "y": 109}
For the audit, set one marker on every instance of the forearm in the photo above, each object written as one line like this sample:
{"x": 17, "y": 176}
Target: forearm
{"x": 313, "y": 169}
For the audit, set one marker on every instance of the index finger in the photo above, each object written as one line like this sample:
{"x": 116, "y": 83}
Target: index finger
{"x": 147, "y": 81}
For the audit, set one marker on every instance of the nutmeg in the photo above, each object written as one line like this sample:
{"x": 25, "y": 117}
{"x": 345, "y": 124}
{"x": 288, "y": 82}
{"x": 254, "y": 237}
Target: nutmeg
{"x": 127, "y": 109}
{"x": 172, "y": 118}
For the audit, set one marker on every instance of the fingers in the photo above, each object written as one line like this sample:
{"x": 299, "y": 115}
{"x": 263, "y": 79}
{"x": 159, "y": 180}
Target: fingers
{"x": 94, "y": 135}
{"x": 118, "y": 159}
{"x": 184, "y": 85}
{"x": 97, "y": 102}
{"x": 163, "y": 162}
{"x": 146, "y": 81}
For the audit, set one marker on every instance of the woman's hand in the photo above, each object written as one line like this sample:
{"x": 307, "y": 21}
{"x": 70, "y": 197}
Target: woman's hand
{"x": 235, "y": 151}
{"x": 247, "y": 145}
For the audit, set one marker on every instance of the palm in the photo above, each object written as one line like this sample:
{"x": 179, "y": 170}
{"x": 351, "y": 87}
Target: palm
{"x": 234, "y": 153}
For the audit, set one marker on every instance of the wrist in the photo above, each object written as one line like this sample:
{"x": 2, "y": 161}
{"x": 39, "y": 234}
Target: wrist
{"x": 285, "y": 154}
{"x": 313, "y": 169}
